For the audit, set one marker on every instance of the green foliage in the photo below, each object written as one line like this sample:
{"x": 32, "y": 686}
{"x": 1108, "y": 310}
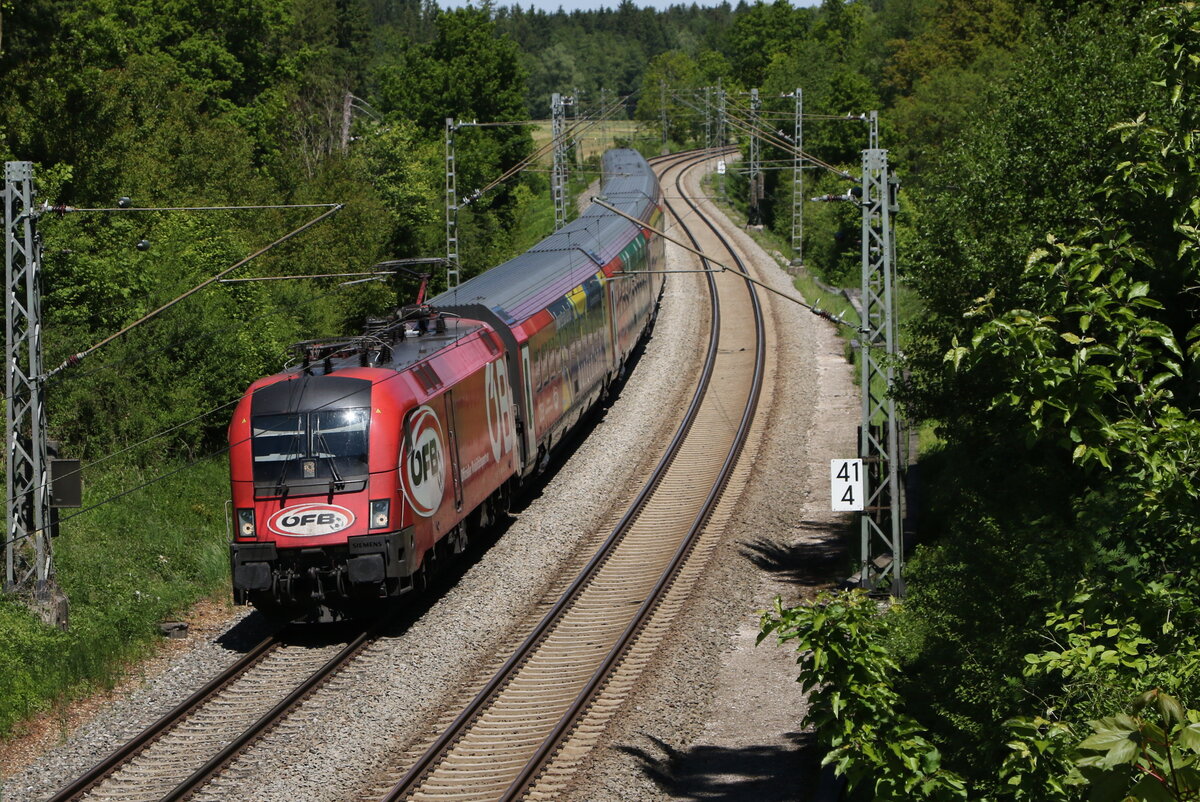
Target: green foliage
{"x": 469, "y": 70}
{"x": 1161, "y": 756}
{"x": 1101, "y": 356}
{"x": 609, "y": 48}
{"x": 211, "y": 104}
{"x": 1010, "y": 522}
{"x": 1039, "y": 763}
{"x": 761, "y": 32}
{"x": 850, "y": 675}
{"x": 1133, "y": 756}
{"x": 1063, "y": 382}
{"x": 992, "y": 198}
{"x": 1064, "y": 387}
{"x": 952, "y": 34}
{"x": 669, "y": 76}
{"x": 403, "y": 168}
{"x": 124, "y": 568}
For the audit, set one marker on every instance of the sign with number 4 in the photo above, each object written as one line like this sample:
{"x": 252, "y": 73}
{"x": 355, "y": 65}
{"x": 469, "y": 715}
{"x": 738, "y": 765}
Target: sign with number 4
{"x": 846, "y": 482}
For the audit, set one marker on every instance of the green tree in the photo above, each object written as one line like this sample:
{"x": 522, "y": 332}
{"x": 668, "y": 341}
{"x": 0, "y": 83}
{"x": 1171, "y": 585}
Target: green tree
{"x": 759, "y": 33}
{"x": 1070, "y": 446}
{"x": 672, "y": 77}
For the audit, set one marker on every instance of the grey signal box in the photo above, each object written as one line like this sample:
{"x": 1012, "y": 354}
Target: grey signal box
{"x": 66, "y": 483}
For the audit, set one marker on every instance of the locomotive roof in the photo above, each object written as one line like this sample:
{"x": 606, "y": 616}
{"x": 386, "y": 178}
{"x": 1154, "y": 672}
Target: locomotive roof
{"x": 518, "y": 288}
{"x": 413, "y": 348}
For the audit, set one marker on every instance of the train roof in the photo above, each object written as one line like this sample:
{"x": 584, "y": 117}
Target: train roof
{"x": 518, "y": 288}
{"x": 512, "y": 291}
{"x": 402, "y": 352}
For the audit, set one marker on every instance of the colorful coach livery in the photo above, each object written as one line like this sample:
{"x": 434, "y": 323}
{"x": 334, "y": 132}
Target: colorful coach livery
{"x": 374, "y": 457}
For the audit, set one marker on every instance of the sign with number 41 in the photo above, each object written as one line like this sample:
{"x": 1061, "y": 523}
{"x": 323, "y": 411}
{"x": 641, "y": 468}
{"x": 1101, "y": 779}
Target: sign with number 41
{"x": 846, "y": 482}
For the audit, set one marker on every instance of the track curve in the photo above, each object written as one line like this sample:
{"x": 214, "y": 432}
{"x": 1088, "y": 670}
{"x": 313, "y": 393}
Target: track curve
{"x": 574, "y": 657}
{"x": 496, "y": 748}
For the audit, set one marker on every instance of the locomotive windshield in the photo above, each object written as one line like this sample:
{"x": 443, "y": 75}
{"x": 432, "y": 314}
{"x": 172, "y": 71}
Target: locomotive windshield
{"x": 310, "y": 450}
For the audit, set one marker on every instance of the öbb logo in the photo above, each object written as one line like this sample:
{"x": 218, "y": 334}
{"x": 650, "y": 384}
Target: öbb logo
{"x": 423, "y": 464}
{"x": 310, "y": 520}
{"x": 502, "y": 428}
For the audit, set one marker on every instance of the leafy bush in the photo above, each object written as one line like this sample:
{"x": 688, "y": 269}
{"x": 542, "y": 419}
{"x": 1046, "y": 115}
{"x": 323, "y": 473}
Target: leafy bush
{"x": 858, "y": 715}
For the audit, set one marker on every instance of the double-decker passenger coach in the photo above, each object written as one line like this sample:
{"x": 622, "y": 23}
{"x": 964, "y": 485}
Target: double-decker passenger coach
{"x": 373, "y": 458}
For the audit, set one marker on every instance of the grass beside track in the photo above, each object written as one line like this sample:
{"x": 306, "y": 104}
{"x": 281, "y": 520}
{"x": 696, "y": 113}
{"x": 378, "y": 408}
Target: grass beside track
{"x": 125, "y": 567}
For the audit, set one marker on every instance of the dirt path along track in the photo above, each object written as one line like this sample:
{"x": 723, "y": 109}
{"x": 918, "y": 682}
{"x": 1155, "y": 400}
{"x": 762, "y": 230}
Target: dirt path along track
{"x": 498, "y": 747}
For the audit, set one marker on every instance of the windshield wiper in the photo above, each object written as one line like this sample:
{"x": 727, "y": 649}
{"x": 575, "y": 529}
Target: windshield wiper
{"x": 279, "y": 483}
{"x": 323, "y": 444}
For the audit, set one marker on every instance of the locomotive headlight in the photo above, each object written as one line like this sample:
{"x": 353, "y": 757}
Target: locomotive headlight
{"x": 381, "y": 513}
{"x": 245, "y": 523}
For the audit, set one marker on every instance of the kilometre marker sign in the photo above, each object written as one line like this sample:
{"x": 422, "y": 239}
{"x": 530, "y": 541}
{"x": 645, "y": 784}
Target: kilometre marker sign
{"x": 846, "y": 484}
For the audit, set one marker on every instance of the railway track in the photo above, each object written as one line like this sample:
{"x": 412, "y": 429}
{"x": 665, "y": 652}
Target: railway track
{"x": 186, "y": 748}
{"x": 500, "y": 745}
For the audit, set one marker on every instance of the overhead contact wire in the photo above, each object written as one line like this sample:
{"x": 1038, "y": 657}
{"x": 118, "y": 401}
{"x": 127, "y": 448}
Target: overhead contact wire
{"x": 774, "y": 138}
{"x": 572, "y": 130}
{"x": 76, "y": 358}
{"x": 113, "y": 365}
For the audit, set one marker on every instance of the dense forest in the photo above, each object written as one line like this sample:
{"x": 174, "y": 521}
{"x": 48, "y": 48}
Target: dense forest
{"x": 1048, "y": 646}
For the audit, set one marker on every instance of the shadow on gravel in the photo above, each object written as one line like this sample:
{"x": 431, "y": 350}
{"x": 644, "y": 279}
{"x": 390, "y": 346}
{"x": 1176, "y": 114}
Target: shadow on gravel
{"x": 808, "y": 562}
{"x": 247, "y": 633}
{"x": 774, "y": 773}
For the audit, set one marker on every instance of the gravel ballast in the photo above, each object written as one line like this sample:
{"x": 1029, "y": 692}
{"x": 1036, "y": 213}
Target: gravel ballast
{"x": 368, "y": 713}
{"x": 717, "y": 716}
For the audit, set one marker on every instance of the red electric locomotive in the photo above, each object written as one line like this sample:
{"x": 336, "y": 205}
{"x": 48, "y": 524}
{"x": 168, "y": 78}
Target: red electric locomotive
{"x": 376, "y": 455}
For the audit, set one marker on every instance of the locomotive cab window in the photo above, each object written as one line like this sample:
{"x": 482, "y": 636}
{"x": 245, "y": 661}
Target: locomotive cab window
{"x": 322, "y": 451}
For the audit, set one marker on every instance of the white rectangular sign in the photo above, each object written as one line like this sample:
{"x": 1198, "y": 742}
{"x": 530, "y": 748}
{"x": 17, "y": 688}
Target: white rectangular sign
{"x": 846, "y": 482}
{"x": 721, "y": 167}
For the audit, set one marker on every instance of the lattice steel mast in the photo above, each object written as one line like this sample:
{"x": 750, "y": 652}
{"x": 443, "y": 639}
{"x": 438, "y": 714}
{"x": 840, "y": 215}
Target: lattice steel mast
{"x": 798, "y": 181}
{"x": 721, "y": 132}
{"x": 558, "y": 178}
{"x": 754, "y": 217}
{"x": 604, "y": 132}
{"x": 452, "y": 262}
{"x": 28, "y": 482}
{"x": 576, "y": 144}
{"x": 708, "y": 123}
{"x": 879, "y": 436}
{"x": 662, "y": 114}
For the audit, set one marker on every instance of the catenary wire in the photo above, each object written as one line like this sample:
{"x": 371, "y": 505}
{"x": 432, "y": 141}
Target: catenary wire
{"x": 573, "y": 130}
{"x": 144, "y": 353}
{"x": 76, "y": 358}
